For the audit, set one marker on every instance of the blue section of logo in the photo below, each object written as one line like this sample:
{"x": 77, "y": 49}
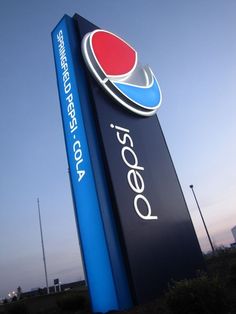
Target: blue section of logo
{"x": 147, "y": 97}
{"x": 88, "y": 217}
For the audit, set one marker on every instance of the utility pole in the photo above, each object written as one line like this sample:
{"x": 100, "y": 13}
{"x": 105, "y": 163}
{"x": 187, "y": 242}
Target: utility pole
{"x": 208, "y": 235}
{"x": 44, "y": 258}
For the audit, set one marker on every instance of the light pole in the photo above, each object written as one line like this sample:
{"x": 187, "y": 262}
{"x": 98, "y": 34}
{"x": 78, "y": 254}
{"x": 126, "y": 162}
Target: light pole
{"x": 208, "y": 235}
{"x": 44, "y": 258}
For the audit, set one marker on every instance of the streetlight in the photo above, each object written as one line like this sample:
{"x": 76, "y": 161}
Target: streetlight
{"x": 208, "y": 235}
{"x": 44, "y": 258}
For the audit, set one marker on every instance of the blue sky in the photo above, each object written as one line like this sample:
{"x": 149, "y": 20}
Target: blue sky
{"x": 190, "y": 46}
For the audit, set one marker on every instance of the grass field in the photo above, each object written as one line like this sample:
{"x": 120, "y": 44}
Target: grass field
{"x": 72, "y": 301}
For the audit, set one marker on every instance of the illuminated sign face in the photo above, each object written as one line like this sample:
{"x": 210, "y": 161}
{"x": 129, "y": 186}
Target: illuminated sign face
{"x": 114, "y": 64}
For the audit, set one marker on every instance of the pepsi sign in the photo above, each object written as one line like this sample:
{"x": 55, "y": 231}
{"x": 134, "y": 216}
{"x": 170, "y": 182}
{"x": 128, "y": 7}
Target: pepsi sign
{"x": 134, "y": 227}
{"x": 114, "y": 64}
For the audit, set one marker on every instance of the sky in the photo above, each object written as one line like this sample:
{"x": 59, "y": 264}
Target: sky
{"x": 190, "y": 46}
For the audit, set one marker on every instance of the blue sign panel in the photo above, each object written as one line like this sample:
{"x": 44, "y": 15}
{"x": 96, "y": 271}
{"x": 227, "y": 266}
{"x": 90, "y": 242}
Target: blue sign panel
{"x": 95, "y": 252}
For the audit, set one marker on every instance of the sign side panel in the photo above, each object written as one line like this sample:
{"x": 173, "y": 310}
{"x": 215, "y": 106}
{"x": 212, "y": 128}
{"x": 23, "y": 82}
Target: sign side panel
{"x": 88, "y": 218}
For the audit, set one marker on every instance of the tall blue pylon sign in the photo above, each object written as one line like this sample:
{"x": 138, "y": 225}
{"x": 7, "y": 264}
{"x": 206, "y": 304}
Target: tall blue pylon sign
{"x": 133, "y": 224}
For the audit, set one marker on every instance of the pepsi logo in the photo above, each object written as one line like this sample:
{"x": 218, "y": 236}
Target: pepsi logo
{"x": 114, "y": 64}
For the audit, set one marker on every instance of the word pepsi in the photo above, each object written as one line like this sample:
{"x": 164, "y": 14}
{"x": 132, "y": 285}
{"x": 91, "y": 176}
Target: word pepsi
{"x": 134, "y": 175}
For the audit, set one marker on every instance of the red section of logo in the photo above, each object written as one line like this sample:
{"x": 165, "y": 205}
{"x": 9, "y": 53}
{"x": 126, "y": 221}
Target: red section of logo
{"x": 114, "y": 55}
